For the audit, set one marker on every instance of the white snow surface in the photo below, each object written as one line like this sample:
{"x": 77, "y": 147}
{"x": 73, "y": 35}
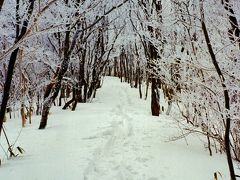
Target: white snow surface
{"x": 113, "y": 138}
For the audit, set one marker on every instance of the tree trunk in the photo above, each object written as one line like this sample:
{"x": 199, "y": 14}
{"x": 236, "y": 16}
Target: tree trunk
{"x": 7, "y": 86}
{"x": 38, "y": 110}
{"x": 62, "y": 95}
{"x": 155, "y": 107}
{"x": 70, "y": 101}
{"x": 1, "y": 4}
{"x": 23, "y": 115}
{"x": 115, "y": 66}
{"x": 121, "y": 69}
{"x": 48, "y": 103}
{"x": 45, "y": 112}
{"x": 140, "y": 87}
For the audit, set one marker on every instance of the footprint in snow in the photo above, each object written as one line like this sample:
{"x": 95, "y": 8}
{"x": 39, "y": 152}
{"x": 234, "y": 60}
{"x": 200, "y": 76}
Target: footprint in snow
{"x": 152, "y": 178}
{"x": 142, "y": 160}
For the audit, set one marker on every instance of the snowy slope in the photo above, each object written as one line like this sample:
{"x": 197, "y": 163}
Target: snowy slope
{"x": 112, "y": 138}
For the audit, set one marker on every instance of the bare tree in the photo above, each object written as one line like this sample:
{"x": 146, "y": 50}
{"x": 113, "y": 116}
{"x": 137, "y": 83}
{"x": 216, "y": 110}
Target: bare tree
{"x": 225, "y": 92}
{"x": 68, "y": 50}
{"x": 12, "y": 62}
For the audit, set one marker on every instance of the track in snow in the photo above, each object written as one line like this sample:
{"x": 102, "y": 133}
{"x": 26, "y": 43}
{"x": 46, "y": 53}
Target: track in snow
{"x": 112, "y": 138}
{"x": 109, "y": 160}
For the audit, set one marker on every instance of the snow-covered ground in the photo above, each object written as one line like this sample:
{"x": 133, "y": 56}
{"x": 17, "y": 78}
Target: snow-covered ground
{"x": 112, "y": 138}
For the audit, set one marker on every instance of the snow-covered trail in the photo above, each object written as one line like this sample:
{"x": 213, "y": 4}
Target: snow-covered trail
{"x": 112, "y": 138}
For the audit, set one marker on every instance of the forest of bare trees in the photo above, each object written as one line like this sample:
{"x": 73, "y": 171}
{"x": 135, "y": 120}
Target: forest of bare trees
{"x": 56, "y": 53}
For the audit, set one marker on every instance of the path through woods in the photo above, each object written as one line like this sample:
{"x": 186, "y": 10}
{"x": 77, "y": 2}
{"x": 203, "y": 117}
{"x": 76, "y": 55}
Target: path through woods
{"x": 112, "y": 138}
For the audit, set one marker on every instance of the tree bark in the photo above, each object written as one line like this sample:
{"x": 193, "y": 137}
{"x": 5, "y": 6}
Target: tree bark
{"x": 155, "y": 107}
{"x": 1, "y": 4}
{"x": 70, "y": 101}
